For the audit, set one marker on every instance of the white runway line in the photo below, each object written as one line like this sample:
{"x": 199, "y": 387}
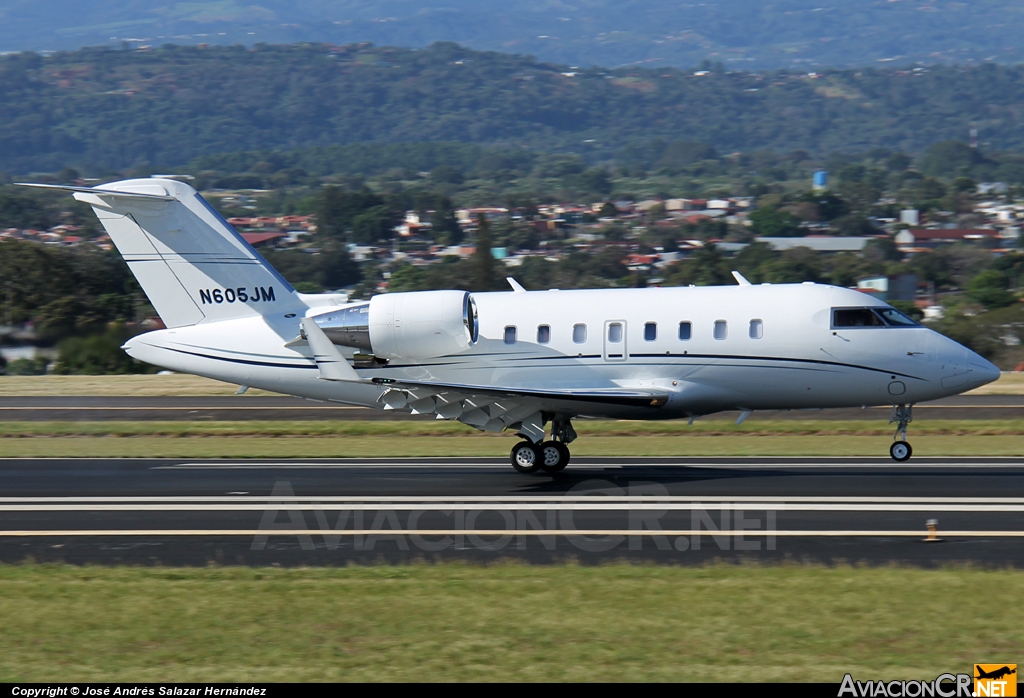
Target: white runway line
{"x": 584, "y": 506}
{"x": 591, "y": 502}
{"x": 594, "y": 495}
{"x": 510, "y": 532}
{"x": 447, "y": 464}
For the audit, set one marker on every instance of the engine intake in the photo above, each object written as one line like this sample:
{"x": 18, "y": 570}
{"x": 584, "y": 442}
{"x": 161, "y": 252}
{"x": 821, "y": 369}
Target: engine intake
{"x": 416, "y": 325}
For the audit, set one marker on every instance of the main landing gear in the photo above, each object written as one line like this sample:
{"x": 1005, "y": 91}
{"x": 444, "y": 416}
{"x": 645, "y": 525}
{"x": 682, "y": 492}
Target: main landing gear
{"x": 551, "y": 456}
{"x": 902, "y": 415}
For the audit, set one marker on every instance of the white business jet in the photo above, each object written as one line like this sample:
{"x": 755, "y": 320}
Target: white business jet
{"x": 524, "y": 361}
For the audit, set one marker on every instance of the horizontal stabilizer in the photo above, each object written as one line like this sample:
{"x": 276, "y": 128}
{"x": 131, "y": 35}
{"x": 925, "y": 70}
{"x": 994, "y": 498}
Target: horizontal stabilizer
{"x": 99, "y": 191}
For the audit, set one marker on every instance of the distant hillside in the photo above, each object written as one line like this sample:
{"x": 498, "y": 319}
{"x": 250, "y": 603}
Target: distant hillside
{"x": 105, "y": 108}
{"x": 749, "y": 34}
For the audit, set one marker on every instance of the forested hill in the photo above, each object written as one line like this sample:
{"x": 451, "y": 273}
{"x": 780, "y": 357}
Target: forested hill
{"x": 752, "y": 34}
{"x": 99, "y": 109}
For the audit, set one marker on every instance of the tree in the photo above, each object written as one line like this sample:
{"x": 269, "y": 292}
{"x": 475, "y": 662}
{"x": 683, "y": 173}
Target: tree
{"x": 752, "y": 258}
{"x": 373, "y": 225}
{"x": 770, "y": 221}
{"x": 98, "y": 354}
{"x": 932, "y": 266}
{"x": 829, "y": 206}
{"x": 336, "y": 211}
{"x": 794, "y": 265}
{"x": 855, "y": 226}
{"x": 949, "y": 159}
{"x": 444, "y": 174}
{"x": 446, "y": 228}
{"x": 883, "y": 249}
{"x": 707, "y": 266}
{"x": 485, "y": 274}
{"x": 990, "y": 289}
{"x": 596, "y": 180}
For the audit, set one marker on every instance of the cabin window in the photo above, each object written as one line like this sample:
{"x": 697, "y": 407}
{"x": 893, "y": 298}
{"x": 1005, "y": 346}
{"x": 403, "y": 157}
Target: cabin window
{"x": 650, "y": 331}
{"x": 756, "y": 329}
{"x": 685, "y": 330}
{"x": 615, "y": 332}
{"x": 543, "y": 334}
{"x": 721, "y": 329}
{"x": 579, "y": 333}
{"x": 856, "y": 317}
{"x": 510, "y": 334}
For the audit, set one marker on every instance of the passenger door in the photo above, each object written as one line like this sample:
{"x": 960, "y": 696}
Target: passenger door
{"x": 615, "y": 340}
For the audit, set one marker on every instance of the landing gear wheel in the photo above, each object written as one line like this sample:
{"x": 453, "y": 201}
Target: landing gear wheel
{"x": 901, "y": 451}
{"x": 525, "y": 457}
{"x": 554, "y": 456}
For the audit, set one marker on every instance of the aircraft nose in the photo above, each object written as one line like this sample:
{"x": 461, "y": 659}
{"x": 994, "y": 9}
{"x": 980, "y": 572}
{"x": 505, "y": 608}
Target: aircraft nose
{"x": 984, "y": 370}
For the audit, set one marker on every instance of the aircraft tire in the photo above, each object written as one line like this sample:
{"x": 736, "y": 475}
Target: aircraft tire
{"x": 525, "y": 457}
{"x": 901, "y": 451}
{"x": 554, "y": 456}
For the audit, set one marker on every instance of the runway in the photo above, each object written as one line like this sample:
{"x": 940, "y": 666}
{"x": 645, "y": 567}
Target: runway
{"x": 663, "y": 510}
{"x": 275, "y": 408}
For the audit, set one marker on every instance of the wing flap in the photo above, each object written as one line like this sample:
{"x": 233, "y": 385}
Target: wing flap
{"x": 640, "y": 397}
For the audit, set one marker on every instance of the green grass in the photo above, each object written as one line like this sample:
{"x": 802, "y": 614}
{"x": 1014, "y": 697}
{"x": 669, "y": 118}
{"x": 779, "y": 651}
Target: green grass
{"x": 507, "y": 622}
{"x": 325, "y": 439}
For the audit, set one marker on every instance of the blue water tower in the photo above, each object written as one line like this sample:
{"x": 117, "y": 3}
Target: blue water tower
{"x": 821, "y": 179}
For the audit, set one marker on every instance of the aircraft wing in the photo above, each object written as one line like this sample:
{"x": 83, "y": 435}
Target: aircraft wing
{"x": 487, "y": 407}
{"x": 493, "y": 408}
{"x": 641, "y": 397}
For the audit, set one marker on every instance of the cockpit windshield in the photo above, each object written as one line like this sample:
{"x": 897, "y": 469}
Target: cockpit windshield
{"x": 870, "y": 317}
{"x": 895, "y": 318}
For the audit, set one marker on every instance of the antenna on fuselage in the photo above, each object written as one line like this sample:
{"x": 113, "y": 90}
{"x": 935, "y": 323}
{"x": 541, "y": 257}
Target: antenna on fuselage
{"x": 740, "y": 279}
{"x": 516, "y": 287}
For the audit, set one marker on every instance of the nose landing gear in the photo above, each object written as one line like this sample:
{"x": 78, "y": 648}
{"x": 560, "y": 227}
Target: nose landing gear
{"x": 902, "y": 415}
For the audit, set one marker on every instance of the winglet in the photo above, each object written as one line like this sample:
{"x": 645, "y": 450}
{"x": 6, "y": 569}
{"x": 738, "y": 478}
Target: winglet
{"x": 516, "y": 287}
{"x": 740, "y": 279}
{"x": 333, "y": 366}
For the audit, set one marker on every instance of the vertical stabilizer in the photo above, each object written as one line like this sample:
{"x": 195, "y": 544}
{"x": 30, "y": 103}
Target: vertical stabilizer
{"x": 192, "y": 264}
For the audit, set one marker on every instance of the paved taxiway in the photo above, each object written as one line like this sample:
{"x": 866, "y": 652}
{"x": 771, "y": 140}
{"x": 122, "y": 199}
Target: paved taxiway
{"x": 670, "y": 510}
{"x": 243, "y": 407}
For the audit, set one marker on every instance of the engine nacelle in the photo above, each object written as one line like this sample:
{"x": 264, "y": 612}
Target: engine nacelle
{"x": 416, "y": 325}
{"x": 421, "y": 324}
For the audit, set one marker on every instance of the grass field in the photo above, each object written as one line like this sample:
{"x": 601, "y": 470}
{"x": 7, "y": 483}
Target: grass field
{"x": 183, "y": 385}
{"x": 438, "y": 429}
{"x": 322, "y": 439}
{"x": 505, "y": 622}
{"x": 178, "y": 384}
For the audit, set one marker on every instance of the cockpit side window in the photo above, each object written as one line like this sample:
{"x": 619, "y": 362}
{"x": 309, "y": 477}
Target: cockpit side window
{"x": 855, "y": 317}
